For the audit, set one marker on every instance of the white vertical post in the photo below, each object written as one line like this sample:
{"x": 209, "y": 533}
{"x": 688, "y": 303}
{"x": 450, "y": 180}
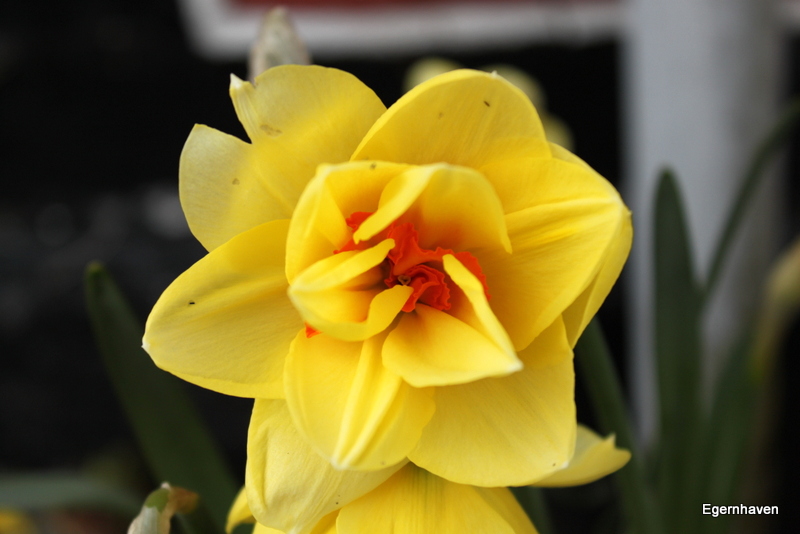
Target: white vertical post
{"x": 701, "y": 82}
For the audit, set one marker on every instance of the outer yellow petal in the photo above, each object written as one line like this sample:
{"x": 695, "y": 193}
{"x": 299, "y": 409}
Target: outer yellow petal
{"x": 226, "y": 323}
{"x": 327, "y": 524}
{"x": 580, "y": 312}
{"x": 353, "y": 410}
{"x": 558, "y": 250}
{"x": 289, "y": 486}
{"x": 296, "y": 117}
{"x": 528, "y": 182}
{"x": 525, "y": 182}
{"x": 239, "y": 512}
{"x": 594, "y": 458}
{"x": 462, "y": 117}
{"x": 506, "y": 505}
{"x": 344, "y": 295}
{"x": 416, "y": 502}
{"x": 507, "y": 431}
{"x": 223, "y": 188}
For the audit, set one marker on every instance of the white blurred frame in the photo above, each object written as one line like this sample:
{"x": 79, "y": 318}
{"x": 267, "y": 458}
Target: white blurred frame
{"x": 224, "y": 30}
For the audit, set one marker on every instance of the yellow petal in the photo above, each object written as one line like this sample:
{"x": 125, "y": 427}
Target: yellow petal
{"x": 451, "y": 207}
{"x": 525, "y": 182}
{"x": 223, "y": 188}
{"x": 462, "y": 117}
{"x": 580, "y": 312}
{"x": 506, "y": 505}
{"x": 301, "y": 116}
{"x": 506, "y": 431}
{"x": 594, "y": 458}
{"x": 344, "y": 294}
{"x": 289, "y": 486}
{"x": 558, "y": 250}
{"x": 430, "y": 347}
{"x": 327, "y": 524}
{"x": 414, "y": 501}
{"x": 240, "y": 512}
{"x": 578, "y": 315}
{"x": 353, "y": 410}
{"x": 297, "y": 117}
{"x": 337, "y": 191}
{"x": 226, "y": 323}
{"x": 476, "y": 311}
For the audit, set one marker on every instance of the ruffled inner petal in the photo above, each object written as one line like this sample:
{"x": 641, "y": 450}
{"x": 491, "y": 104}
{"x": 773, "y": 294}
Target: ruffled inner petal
{"x": 343, "y": 294}
{"x": 319, "y": 227}
{"x": 354, "y": 411}
{"x": 507, "y": 431}
{"x": 451, "y": 207}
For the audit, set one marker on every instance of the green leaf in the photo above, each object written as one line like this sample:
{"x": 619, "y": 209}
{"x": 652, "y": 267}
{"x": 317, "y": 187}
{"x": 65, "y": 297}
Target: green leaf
{"x": 678, "y": 353}
{"x": 729, "y": 434}
{"x": 764, "y": 154}
{"x": 597, "y": 372}
{"x": 171, "y": 435}
{"x": 40, "y": 491}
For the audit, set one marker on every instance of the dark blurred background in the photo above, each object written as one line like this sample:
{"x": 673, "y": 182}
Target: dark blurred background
{"x": 96, "y": 101}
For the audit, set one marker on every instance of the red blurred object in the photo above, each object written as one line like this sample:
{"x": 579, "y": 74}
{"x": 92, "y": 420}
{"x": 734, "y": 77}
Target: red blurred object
{"x": 364, "y": 3}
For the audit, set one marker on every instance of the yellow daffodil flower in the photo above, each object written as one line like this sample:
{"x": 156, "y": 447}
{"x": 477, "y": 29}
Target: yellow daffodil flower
{"x": 411, "y": 281}
{"x": 291, "y": 489}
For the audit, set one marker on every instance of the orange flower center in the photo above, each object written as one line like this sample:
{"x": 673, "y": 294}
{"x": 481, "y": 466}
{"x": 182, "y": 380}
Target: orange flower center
{"x": 410, "y": 265}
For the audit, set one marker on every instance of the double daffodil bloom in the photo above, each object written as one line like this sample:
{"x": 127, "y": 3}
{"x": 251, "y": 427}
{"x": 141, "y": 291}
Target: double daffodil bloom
{"x": 411, "y": 281}
{"x": 291, "y": 489}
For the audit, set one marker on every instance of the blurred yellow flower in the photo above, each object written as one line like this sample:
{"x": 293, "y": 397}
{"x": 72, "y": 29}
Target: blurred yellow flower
{"x": 14, "y": 522}
{"x": 291, "y": 489}
{"x": 411, "y": 281}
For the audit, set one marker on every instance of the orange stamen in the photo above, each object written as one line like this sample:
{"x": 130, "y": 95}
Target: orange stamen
{"x": 311, "y": 331}
{"x": 410, "y": 265}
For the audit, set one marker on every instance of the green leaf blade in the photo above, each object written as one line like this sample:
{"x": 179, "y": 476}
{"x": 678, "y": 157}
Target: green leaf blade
{"x": 171, "y": 435}
{"x": 43, "y": 491}
{"x": 765, "y": 153}
{"x": 678, "y": 355}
